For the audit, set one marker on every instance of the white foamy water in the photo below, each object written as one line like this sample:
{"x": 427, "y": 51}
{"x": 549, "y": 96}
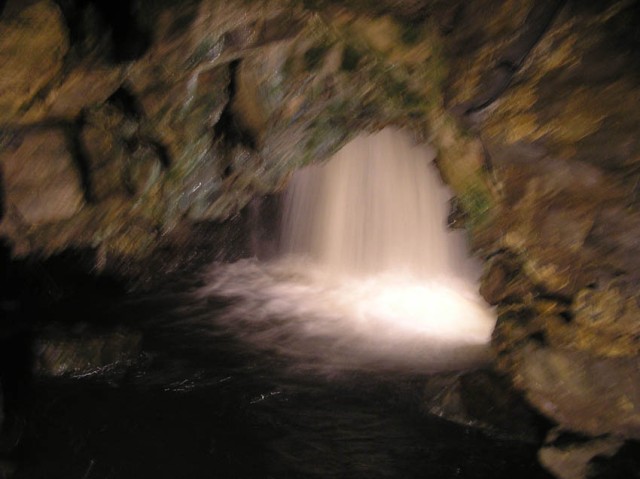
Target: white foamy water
{"x": 369, "y": 276}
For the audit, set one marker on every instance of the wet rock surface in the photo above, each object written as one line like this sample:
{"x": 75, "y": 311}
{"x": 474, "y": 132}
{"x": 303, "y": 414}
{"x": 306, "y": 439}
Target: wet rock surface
{"x": 88, "y": 354}
{"x": 485, "y": 400}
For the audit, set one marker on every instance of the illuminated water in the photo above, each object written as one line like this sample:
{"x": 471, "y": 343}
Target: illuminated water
{"x": 369, "y": 276}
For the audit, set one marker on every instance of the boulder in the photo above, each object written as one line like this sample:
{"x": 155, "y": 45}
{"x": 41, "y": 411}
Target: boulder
{"x": 42, "y": 183}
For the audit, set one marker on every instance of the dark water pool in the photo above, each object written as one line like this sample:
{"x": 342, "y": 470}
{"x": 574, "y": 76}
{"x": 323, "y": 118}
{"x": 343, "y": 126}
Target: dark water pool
{"x": 197, "y": 405}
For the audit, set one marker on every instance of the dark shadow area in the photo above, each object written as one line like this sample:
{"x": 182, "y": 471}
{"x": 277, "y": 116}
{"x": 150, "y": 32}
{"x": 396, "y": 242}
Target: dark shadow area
{"x": 127, "y": 103}
{"x": 81, "y": 159}
{"x": 227, "y": 126}
{"x": 108, "y": 25}
{"x": 625, "y": 464}
{"x": 35, "y": 294}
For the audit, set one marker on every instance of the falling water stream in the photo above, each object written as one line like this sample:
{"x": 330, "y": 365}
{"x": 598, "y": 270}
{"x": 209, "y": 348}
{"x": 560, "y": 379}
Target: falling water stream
{"x": 311, "y": 365}
{"x": 369, "y": 275}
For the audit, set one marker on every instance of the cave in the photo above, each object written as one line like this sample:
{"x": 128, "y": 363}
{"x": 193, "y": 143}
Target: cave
{"x": 152, "y": 155}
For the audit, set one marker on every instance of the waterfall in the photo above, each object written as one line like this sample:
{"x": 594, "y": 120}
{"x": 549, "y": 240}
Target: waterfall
{"x": 369, "y": 276}
{"x": 377, "y": 206}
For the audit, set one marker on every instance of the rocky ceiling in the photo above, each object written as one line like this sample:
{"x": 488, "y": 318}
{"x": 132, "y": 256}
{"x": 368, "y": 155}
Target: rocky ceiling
{"x": 120, "y": 121}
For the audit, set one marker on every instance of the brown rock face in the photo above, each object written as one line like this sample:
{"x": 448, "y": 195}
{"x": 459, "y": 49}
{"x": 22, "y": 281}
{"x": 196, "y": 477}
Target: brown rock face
{"x": 583, "y": 393}
{"x": 547, "y": 87}
{"x": 82, "y": 86}
{"x": 32, "y": 48}
{"x": 42, "y": 184}
{"x": 571, "y": 461}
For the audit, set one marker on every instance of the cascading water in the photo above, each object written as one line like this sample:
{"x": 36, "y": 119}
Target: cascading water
{"x": 369, "y": 275}
{"x": 376, "y": 207}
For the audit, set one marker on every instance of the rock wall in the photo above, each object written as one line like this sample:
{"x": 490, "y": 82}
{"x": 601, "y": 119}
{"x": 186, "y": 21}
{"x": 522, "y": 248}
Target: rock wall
{"x": 549, "y": 89}
{"x": 122, "y": 124}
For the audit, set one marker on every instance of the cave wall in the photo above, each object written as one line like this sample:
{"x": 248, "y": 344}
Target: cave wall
{"x": 112, "y": 149}
{"x": 557, "y": 130}
{"x": 122, "y": 125}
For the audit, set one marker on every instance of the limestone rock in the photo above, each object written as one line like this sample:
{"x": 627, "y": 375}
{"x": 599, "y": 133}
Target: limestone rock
{"x": 580, "y": 39}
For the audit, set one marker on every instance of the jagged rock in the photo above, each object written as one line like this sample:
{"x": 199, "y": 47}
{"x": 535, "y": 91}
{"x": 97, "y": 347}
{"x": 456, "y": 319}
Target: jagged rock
{"x": 550, "y": 211}
{"x": 531, "y": 111}
{"x": 167, "y": 144}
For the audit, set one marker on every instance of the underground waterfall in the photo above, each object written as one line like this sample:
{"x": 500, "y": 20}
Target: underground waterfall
{"x": 368, "y": 276}
{"x": 331, "y": 360}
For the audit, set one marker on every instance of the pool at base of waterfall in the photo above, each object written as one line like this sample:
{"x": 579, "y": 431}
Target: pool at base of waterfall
{"x": 197, "y": 402}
